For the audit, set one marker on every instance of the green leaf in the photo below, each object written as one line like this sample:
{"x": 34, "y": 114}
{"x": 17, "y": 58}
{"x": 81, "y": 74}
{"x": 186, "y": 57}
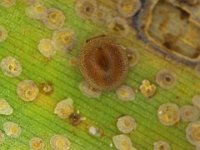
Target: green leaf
{"x": 37, "y": 118}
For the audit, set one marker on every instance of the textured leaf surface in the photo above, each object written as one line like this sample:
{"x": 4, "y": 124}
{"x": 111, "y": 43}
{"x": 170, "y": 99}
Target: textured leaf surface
{"x": 37, "y": 118}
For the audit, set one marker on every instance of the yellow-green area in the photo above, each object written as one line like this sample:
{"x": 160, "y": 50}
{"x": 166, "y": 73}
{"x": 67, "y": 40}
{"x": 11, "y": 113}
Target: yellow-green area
{"x": 37, "y": 118}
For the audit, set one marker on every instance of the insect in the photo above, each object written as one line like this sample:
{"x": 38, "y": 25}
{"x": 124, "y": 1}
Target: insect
{"x": 103, "y": 63}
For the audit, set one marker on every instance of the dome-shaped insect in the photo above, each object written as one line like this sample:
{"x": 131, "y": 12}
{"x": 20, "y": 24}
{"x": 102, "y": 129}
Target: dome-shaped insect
{"x": 12, "y": 129}
{"x": 60, "y": 142}
{"x": 86, "y": 9}
{"x": 168, "y": 114}
{"x": 36, "y": 143}
{"x": 122, "y": 142}
{"x": 193, "y": 133}
{"x": 161, "y": 145}
{"x": 126, "y": 124}
{"x": 103, "y": 63}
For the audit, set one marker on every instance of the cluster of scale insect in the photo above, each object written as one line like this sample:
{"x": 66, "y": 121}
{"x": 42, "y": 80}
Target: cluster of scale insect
{"x": 115, "y": 19}
{"x": 63, "y": 39}
{"x": 170, "y": 114}
{"x": 54, "y": 19}
{"x": 99, "y": 56}
{"x": 126, "y": 125}
{"x": 27, "y": 90}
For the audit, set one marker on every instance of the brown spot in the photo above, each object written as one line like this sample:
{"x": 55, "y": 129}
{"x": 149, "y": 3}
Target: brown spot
{"x": 88, "y": 8}
{"x": 118, "y": 27}
{"x": 168, "y": 79}
{"x": 130, "y": 57}
{"x": 170, "y": 42}
{"x": 75, "y": 119}
{"x": 46, "y": 87}
{"x": 103, "y": 63}
{"x": 143, "y": 27}
{"x": 184, "y": 15}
